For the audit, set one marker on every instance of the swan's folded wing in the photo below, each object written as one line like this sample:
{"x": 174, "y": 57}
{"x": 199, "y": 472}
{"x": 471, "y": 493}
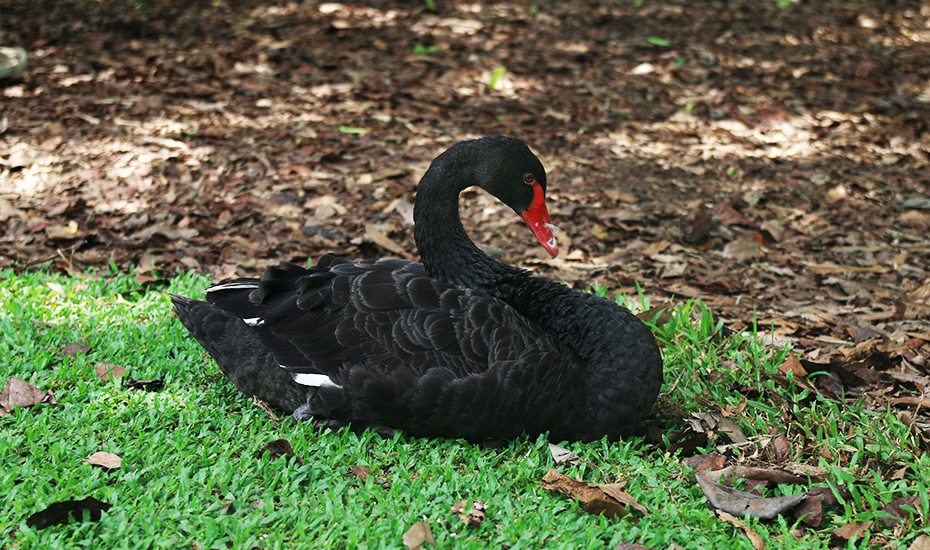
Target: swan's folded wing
{"x": 387, "y": 315}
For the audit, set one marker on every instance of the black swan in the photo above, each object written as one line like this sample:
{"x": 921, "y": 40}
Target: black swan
{"x": 457, "y": 346}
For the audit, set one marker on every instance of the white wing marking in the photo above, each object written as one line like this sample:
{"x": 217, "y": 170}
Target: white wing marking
{"x": 314, "y": 380}
{"x": 232, "y": 286}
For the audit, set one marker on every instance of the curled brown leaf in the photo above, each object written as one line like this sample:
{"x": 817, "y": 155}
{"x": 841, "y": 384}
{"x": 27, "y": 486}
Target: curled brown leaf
{"x": 706, "y": 462}
{"x": 608, "y": 499}
{"x": 754, "y": 538}
{"x": 105, "y": 460}
{"x": 279, "y": 448}
{"x": 418, "y": 535}
{"x": 105, "y": 370}
{"x": 19, "y": 393}
{"x": 361, "y": 472}
{"x": 473, "y": 517}
{"x": 562, "y": 455}
{"x": 850, "y": 531}
{"x": 741, "y": 503}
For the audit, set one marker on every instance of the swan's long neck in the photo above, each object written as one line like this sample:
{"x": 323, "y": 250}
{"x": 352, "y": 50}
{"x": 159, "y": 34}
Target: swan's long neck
{"x": 445, "y": 249}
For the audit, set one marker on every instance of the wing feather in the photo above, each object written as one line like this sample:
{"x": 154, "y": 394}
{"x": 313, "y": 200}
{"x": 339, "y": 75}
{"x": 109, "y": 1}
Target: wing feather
{"x": 387, "y": 331}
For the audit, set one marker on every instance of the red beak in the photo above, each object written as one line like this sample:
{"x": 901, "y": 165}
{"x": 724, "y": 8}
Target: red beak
{"x": 537, "y": 218}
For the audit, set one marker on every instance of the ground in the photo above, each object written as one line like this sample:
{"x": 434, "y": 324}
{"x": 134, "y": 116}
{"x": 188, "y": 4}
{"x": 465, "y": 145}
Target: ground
{"x": 767, "y": 158}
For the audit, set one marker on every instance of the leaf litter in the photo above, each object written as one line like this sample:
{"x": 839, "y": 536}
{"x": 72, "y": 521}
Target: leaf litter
{"x": 608, "y": 499}
{"x": 762, "y": 183}
{"x": 561, "y": 455}
{"x": 75, "y": 348}
{"x": 418, "y": 535}
{"x": 19, "y": 393}
{"x": 279, "y": 448}
{"x": 475, "y": 515}
{"x": 742, "y": 503}
{"x": 754, "y": 538}
{"x": 850, "y": 532}
{"x": 106, "y": 370}
{"x": 106, "y": 460}
{"x": 361, "y": 472}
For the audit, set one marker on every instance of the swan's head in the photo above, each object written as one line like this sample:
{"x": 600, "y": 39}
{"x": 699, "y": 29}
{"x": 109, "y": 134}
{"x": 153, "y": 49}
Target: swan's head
{"x": 506, "y": 168}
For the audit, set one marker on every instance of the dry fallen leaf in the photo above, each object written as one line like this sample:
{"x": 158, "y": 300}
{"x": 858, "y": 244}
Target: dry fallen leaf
{"x": 475, "y": 516}
{"x": 792, "y": 365}
{"x": 782, "y": 448}
{"x": 730, "y": 216}
{"x": 735, "y": 410}
{"x": 104, "y": 459}
{"x": 361, "y": 473}
{"x": 901, "y": 509}
{"x": 377, "y": 234}
{"x": 741, "y": 503}
{"x": 833, "y": 269}
{"x": 699, "y": 225}
{"x": 915, "y": 219}
{"x": 795, "y": 474}
{"x": 921, "y": 294}
{"x": 920, "y": 543}
{"x": 169, "y": 232}
{"x": 105, "y": 370}
{"x": 277, "y": 449}
{"x": 850, "y": 531}
{"x": 20, "y": 393}
{"x": 774, "y": 228}
{"x": 744, "y": 248}
{"x": 899, "y": 473}
{"x": 754, "y": 538}
{"x": 67, "y": 510}
{"x": 562, "y": 455}
{"x": 607, "y": 499}
{"x": 706, "y": 462}
{"x": 810, "y": 510}
{"x": 685, "y": 441}
{"x": 418, "y": 534}
{"x": 818, "y": 500}
{"x": 713, "y": 422}
{"x": 71, "y": 350}
{"x": 656, "y": 315}
{"x": 616, "y": 491}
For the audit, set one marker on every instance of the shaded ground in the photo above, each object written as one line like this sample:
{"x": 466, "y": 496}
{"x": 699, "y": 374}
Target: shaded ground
{"x": 772, "y": 162}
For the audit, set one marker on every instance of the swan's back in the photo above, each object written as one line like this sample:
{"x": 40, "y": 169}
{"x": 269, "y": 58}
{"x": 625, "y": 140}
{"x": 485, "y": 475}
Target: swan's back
{"x": 381, "y": 342}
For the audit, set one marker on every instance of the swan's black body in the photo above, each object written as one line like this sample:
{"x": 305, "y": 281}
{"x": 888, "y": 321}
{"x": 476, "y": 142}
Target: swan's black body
{"x": 459, "y": 346}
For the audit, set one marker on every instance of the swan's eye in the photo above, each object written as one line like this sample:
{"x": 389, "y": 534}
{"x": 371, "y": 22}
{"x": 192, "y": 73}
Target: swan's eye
{"x": 529, "y": 179}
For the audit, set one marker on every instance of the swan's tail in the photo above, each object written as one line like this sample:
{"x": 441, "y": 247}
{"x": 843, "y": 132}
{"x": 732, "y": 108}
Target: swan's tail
{"x": 239, "y": 353}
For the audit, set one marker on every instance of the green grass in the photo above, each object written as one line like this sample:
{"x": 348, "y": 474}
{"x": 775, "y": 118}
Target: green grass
{"x": 189, "y": 450}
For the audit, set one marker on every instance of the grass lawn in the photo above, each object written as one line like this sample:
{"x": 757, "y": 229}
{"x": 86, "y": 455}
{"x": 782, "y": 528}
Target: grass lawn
{"x": 190, "y": 476}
